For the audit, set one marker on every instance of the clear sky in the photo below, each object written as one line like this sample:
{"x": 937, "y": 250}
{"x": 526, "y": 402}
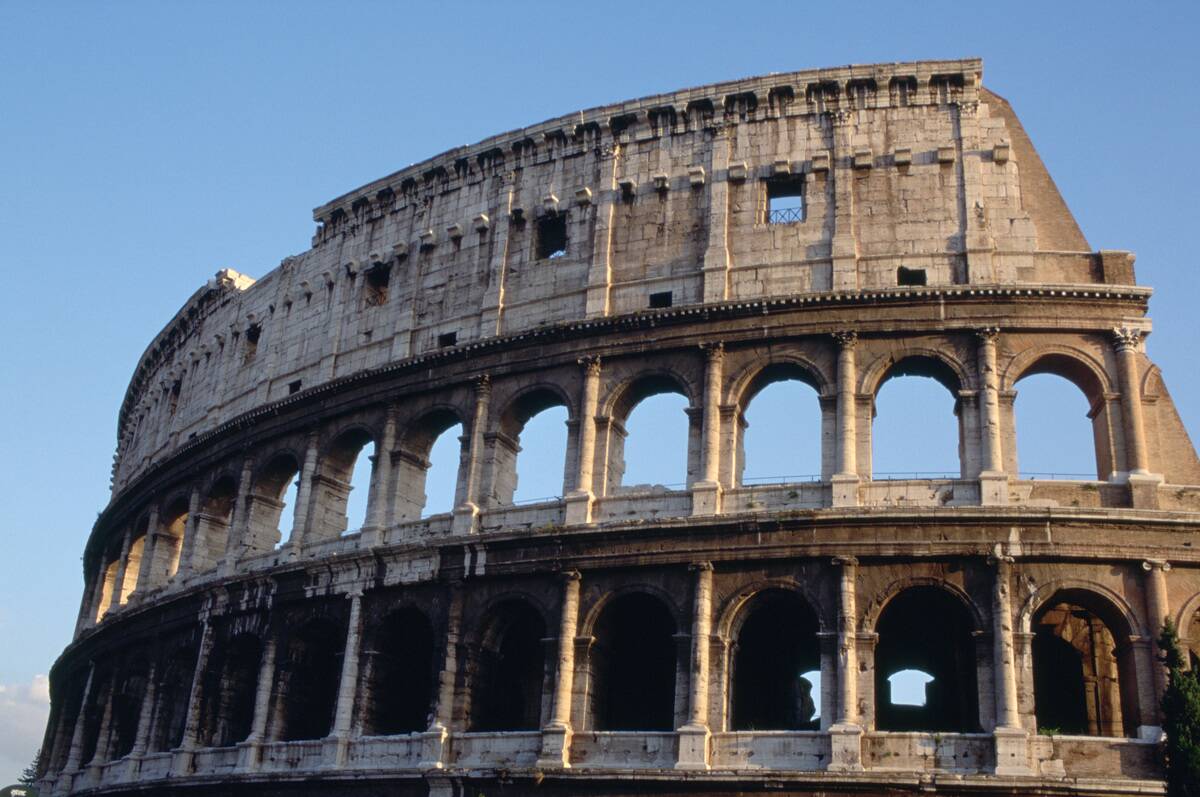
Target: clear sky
{"x": 143, "y": 146}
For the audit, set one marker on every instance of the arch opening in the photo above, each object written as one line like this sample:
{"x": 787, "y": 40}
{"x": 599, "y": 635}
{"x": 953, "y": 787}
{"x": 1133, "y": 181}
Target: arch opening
{"x": 918, "y": 429}
{"x": 779, "y": 431}
{"x": 429, "y": 464}
{"x": 925, "y": 638}
{"x": 509, "y": 671}
{"x": 307, "y": 681}
{"x": 651, "y": 437}
{"x": 401, "y": 675}
{"x": 530, "y": 453}
{"x": 633, "y": 666}
{"x": 212, "y": 525}
{"x": 1060, "y": 430}
{"x": 133, "y": 562}
{"x": 274, "y": 498}
{"x": 1083, "y": 669}
{"x": 126, "y": 710}
{"x": 171, "y": 699}
{"x": 776, "y": 665}
{"x": 343, "y": 493}
{"x": 230, "y": 690}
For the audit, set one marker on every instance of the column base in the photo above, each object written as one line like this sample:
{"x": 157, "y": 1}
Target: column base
{"x": 1150, "y": 733}
{"x": 1143, "y": 489}
{"x": 334, "y": 750}
{"x": 465, "y": 519}
{"x": 578, "y": 508}
{"x": 844, "y": 489}
{"x": 706, "y": 499}
{"x": 556, "y": 747}
{"x": 693, "y": 747}
{"x": 1012, "y": 751}
{"x": 249, "y": 755}
{"x": 433, "y": 747}
{"x": 370, "y": 537}
{"x": 845, "y": 742}
{"x": 181, "y": 761}
{"x": 993, "y": 488}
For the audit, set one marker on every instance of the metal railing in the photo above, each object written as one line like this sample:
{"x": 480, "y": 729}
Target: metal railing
{"x": 785, "y": 216}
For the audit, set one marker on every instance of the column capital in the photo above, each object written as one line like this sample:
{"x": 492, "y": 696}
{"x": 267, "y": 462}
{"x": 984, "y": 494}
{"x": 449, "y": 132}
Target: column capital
{"x": 987, "y": 334}
{"x": 846, "y": 338}
{"x": 568, "y": 576}
{"x": 483, "y": 385}
{"x": 845, "y": 561}
{"x": 1156, "y": 564}
{"x": 590, "y": 364}
{"x": 1127, "y": 338}
{"x": 701, "y": 567}
{"x": 713, "y": 350}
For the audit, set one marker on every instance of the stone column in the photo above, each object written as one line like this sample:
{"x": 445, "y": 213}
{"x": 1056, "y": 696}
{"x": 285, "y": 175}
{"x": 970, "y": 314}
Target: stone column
{"x": 706, "y": 493}
{"x": 466, "y": 514}
{"x": 100, "y": 753}
{"x": 556, "y": 737}
{"x": 993, "y": 481}
{"x": 239, "y": 525}
{"x": 141, "y": 738}
{"x": 147, "y": 566}
{"x": 304, "y": 491}
{"x": 93, "y": 603}
{"x": 1012, "y": 755}
{"x": 694, "y": 736}
{"x": 845, "y": 480}
{"x": 191, "y": 530}
{"x": 1126, "y": 344}
{"x": 75, "y": 751}
{"x": 579, "y": 501}
{"x": 344, "y": 712}
{"x": 438, "y": 734}
{"x": 379, "y": 499}
{"x": 846, "y": 732}
{"x": 122, "y": 567}
{"x": 181, "y": 762}
{"x": 1158, "y": 609}
{"x": 249, "y": 751}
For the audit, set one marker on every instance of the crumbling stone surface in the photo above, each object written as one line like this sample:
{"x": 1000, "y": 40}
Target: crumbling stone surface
{"x": 839, "y": 227}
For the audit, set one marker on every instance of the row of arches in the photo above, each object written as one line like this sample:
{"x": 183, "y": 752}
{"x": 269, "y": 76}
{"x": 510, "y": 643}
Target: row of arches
{"x": 327, "y": 483}
{"x": 928, "y": 665}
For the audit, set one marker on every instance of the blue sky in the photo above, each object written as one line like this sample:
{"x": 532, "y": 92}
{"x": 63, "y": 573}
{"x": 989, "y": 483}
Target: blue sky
{"x": 143, "y": 146}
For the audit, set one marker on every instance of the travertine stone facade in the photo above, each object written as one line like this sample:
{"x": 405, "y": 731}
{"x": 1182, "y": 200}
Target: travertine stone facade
{"x": 838, "y": 227}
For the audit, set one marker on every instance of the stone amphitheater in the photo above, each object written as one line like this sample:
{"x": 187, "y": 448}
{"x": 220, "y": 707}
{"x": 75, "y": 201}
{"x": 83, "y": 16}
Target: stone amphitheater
{"x": 838, "y": 227}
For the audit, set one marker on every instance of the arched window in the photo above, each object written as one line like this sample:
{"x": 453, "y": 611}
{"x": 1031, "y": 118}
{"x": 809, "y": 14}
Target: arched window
{"x": 273, "y": 504}
{"x": 231, "y": 684}
{"x": 531, "y": 450}
{"x": 171, "y": 699}
{"x": 108, "y": 576}
{"x": 633, "y": 664}
{"x": 93, "y": 714}
{"x": 343, "y": 492}
{"x": 1059, "y": 421}
{"x": 925, "y": 678}
{"x": 509, "y": 670}
{"x": 776, "y": 665}
{"x": 133, "y": 564}
{"x": 168, "y": 545}
{"x": 1083, "y": 672}
{"x": 400, "y": 675}
{"x": 212, "y": 526}
{"x": 127, "y": 709}
{"x": 307, "y": 681}
{"x": 914, "y": 434}
{"x": 779, "y": 431}
{"x": 651, "y": 440}
{"x": 429, "y": 463}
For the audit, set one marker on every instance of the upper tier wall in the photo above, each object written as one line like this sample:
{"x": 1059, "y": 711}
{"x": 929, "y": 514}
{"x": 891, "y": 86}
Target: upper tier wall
{"x": 900, "y": 165}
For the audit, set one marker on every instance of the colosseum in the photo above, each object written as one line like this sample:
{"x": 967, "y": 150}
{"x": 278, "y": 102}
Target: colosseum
{"x": 836, "y": 227}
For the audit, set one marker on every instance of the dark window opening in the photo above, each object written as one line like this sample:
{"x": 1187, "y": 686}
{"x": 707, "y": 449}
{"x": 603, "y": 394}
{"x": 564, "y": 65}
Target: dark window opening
{"x": 776, "y": 664}
{"x": 910, "y": 276}
{"x": 253, "y": 333}
{"x": 509, "y": 672}
{"x": 173, "y": 404}
{"x": 294, "y": 387}
{"x": 448, "y": 339}
{"x": 633, "y": 666}
{"x": 785, "y": 200}
{"x": 912, "y": 650}
{"x": 376, "y": 287}
{"x": 308, "y": 681}
{"x": 400, "y": 675}
{"x": 662, "y": 299}
{"x": 127, "y": 708}
{"x": 229, "y": 692}
{"x": 173, "y": 692}
{"x": 552, "y": 236}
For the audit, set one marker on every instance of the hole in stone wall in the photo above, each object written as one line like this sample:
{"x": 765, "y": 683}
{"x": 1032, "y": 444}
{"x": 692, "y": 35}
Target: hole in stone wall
{"x": 552, "y": 236}
{"x": 910, "y": 276}
{"x": 662, "y": 299}
{"x": 294, "y": 387}
{"x": 785, "y": 199}
{"x": 376, "y": 284}
{"x": 633, "y": 666}
{"x": 447, "y": 339}
{"x": 908, "y": 688}
{"x": 400, "y": 674}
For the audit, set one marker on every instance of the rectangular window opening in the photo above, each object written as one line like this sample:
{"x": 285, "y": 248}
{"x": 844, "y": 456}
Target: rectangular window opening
{"x": 661, "y": 299}
{"x": 552, "y": 236}
{"x": 447, "y": 339}
{"x": 785, "y": 200}
{"x": 294, "y": 387}
{"x": 378, "y": 278}
{"x": 910, "y": 276}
